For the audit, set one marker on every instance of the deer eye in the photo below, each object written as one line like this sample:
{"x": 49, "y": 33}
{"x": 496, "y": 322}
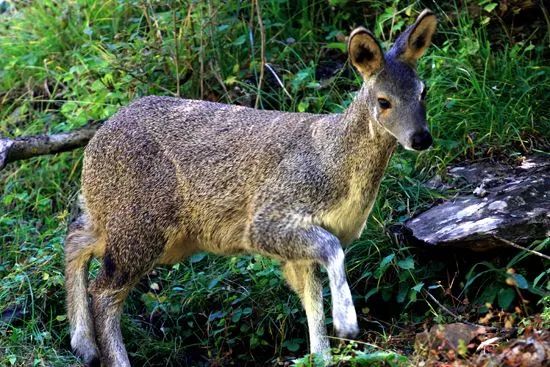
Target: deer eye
{"x": 384, "y": 103}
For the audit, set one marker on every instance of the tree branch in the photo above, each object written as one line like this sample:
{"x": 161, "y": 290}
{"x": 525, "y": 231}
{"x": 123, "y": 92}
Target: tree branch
{"x": 17, "y": 149}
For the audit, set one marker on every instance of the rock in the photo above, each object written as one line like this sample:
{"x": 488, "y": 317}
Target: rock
{"x": 446, "y": 337}
{"x": 480, "y": 192}
{"x": 12, "y": 314}
{"x": 526, "y": 353}
{"x": 508, "y": 204}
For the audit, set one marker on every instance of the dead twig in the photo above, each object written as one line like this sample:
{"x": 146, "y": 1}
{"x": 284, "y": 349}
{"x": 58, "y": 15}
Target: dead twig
{"x": 144, "y": 80}
{"x": 451, "y": 313}
{"x": 512, "y": 244}
{"x": 278, "y": 80}
{"x": 176, "y": 51}
{"x": 219, "y": 79}
{"x": 262, "y": 52}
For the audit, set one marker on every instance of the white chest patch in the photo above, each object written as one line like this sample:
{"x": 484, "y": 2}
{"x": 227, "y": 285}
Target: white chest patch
{"x": 347, "y": 218}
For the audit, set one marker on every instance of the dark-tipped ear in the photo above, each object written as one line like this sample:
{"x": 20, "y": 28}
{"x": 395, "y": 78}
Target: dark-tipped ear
{"x": 418, "y": 37}
{"x": 365, "y": 52}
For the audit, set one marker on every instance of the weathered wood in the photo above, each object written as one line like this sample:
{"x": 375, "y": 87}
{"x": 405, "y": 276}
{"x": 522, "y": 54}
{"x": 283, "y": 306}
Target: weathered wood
{"x": 12, "y": 150}
{"x": 509, "y": 204}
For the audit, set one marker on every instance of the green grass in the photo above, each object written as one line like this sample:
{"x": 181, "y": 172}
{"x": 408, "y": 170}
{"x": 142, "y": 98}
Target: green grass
{"x": 64, "y": 63}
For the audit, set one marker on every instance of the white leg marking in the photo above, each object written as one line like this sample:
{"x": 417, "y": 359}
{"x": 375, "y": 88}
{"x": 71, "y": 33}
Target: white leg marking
{"x": 343, "y": 311}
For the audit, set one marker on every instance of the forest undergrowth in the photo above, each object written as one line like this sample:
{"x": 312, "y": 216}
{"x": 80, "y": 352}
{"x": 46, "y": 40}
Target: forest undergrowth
{"x": 64, "y": 63}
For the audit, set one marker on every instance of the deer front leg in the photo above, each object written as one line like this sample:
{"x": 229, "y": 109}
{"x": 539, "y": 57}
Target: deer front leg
{"x": 301, "y": 245}
{"x": 303, "y": 277}
{"x": 344, "y": 316}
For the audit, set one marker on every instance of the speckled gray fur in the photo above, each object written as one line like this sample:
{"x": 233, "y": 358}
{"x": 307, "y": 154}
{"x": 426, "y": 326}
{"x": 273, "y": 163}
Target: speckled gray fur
{"x": 168, "y": 177}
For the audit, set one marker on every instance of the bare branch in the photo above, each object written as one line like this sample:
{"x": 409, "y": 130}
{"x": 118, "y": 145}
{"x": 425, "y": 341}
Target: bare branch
{"x": 262, "y": 52}
{"x": 12, "y": 150}
{"x": 513, "y": 244}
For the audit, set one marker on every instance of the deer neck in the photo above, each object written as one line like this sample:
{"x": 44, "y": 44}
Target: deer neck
{"x": 366, "y": 145}
{"x": 356, "y": 151}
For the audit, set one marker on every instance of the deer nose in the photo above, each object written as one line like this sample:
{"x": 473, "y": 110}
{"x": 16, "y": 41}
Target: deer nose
{"x": 421, "y": 140}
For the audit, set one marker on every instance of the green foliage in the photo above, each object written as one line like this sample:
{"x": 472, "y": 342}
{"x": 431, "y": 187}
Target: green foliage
{"x": 352, "y": 355}
{"x": 546, "y": 312}
{"x": 63, "y": 63}
{"x": 502, "y": 284}
{"x": 485, "y": 99}
{"x": 355, "y": 358}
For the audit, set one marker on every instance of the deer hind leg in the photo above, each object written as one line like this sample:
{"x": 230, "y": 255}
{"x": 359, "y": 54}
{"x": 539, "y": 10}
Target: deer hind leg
{"x": 79, "y": 246}
{"x": 289, "y": 242}
{"x": 129, "y": 254}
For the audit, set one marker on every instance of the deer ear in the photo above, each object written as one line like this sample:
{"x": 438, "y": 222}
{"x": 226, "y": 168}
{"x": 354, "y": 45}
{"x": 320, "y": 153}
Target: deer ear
{"x": 419, "y": 37}
{"x": 365, "y": 52}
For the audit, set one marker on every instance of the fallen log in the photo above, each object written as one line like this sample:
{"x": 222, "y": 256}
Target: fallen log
{"x": 12, "y": 150}
{"x": 509, "y": 207}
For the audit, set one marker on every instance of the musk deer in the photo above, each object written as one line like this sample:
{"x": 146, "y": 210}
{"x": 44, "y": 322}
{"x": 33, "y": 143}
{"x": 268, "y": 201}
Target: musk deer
{"x": 168, "y": 177}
